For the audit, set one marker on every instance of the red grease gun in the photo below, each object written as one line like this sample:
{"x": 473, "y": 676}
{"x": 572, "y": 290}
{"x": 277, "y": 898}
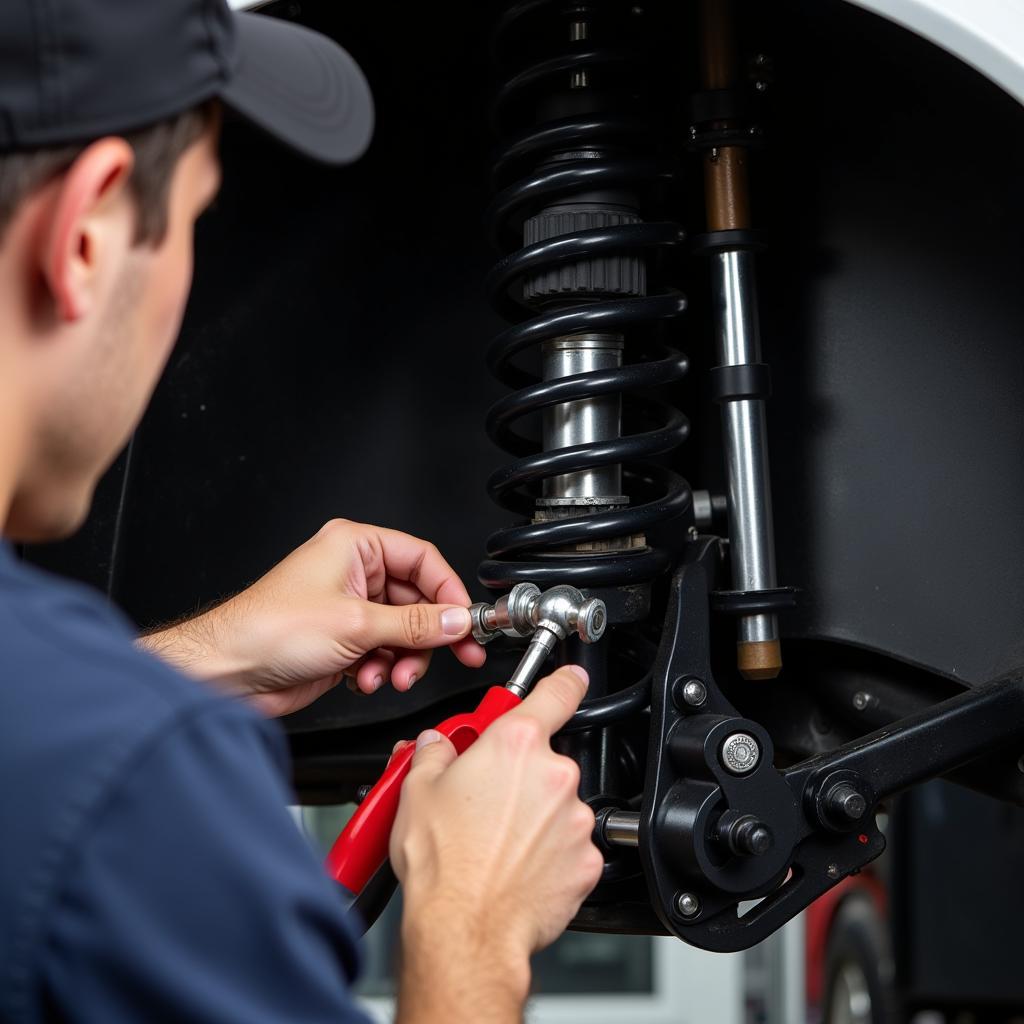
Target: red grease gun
{"x": 546, "y": 618}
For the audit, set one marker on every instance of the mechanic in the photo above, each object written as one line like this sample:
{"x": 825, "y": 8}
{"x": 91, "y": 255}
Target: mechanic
{"x": 150, "y": 869}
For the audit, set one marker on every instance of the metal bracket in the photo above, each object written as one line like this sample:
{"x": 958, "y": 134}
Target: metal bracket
{"x": 813, "y": 823}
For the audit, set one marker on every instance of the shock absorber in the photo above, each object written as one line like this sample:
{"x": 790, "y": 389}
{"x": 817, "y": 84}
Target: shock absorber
{"x": 741, "y": 382}
{"x": 577, "y": 285}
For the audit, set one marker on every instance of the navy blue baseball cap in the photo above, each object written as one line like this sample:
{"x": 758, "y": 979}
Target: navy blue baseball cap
{"x": 75, "y": 70}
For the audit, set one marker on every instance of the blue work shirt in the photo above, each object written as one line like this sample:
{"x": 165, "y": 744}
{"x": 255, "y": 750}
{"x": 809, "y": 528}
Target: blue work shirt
{"x": 149, "y": 867}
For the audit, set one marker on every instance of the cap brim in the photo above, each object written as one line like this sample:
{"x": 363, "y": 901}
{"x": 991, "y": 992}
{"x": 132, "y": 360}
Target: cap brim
{"x": 302, "y": 88}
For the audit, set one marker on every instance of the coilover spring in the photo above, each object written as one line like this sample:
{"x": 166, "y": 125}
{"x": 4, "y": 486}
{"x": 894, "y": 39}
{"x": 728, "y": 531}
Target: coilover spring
{"x": 573, "y": 182}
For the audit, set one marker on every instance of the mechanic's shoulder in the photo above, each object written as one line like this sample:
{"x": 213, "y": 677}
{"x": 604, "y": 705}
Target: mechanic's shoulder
{"x": 63, "y": 642}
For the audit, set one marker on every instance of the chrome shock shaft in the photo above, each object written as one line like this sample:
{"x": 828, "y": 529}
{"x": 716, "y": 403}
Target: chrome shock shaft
{"x": 741, "y": 376}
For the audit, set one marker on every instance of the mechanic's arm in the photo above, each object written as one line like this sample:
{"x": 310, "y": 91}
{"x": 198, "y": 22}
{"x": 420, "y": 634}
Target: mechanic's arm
{"x": 355, "y": 600}
{"x": 495, "y": 855}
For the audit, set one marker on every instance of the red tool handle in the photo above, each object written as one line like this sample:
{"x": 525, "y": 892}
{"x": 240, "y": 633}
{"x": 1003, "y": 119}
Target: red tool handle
{"x": 363, "y": 844}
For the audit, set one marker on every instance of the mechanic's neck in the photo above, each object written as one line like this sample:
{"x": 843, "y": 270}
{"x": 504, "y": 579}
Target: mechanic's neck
{"x": 25, "y": 317}
{"x": 15, "y": 426}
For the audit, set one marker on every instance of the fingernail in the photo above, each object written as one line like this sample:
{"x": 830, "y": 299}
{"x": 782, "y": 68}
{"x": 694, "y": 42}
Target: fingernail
{"x": 412, "y": 679}
{"x": 378, "y": 682}
{"x": 581, "y": 672}
{"x": 455, "y": 621}
{"x": 426, "y": 738}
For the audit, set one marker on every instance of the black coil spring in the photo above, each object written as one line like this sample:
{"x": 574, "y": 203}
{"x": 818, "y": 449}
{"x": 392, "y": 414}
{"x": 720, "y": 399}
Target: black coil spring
{"x": 532, "y": 172}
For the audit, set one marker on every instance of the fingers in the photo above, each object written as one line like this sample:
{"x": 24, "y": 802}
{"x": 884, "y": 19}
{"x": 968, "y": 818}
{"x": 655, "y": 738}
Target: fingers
{"x": 554, "y": 700}
{"x": 420, "y": 563}
{"x": 409, "y": 667}
{"x": 375, "y": 671}
{"x": 434, "y": 753}
{"x": 415, "y": 627}
{"x": 400, "y": 745}
{"x": 469, "y": 652}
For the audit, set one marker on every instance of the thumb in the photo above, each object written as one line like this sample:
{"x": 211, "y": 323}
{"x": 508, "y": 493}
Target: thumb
{"x": 554, "y": 700}
{"x": 415, "y": 627}
{"x": 434, "y": 753}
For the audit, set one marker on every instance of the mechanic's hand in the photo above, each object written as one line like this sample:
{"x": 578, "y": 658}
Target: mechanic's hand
{"x": 354, "y": 600}
{"x": 496, "y": 845}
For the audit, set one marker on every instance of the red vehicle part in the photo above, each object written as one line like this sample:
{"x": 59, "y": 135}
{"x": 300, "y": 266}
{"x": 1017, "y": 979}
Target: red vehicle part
{"x": 819, "y": 918}
{"x": 363, "y": 844}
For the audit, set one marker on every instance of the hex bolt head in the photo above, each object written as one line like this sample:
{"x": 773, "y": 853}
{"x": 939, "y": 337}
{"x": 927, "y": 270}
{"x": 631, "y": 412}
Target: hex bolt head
{"x": 695, "y": 693}
{"x": 740, "y": 753}
{"x": 846, "y": 802}
{"x": 687, "y": 904}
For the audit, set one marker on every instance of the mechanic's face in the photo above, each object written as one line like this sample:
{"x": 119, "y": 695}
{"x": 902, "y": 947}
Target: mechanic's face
{"x": 111, "y": 366}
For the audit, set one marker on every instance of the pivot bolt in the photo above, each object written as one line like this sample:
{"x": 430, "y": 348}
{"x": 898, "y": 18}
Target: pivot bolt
{"x": 750, "y": 836}
{"x": 847, "y": 802}
{"x": 695, "y": 693}
{"x": 832, "y": 871}
{"x": 687, "y": 904}
{"x": 740, "y": 753}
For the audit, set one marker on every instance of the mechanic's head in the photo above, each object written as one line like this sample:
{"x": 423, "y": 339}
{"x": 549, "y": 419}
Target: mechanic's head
{"x": 97, "y": 213}
{"x": 95, "y": 267}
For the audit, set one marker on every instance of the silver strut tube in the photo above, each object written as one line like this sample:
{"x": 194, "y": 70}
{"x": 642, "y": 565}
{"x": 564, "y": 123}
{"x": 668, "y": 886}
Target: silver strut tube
{"x": 751, "y": 544}
{"x": 585, "y": 420}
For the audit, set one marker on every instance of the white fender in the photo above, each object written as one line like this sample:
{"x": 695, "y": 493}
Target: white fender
{"x": 986, "y": 34}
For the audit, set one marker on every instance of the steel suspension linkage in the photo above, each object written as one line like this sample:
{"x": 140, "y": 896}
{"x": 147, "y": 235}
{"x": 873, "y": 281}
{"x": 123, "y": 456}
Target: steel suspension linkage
{"x": 579, "y": 167}
{"x": 721, "y": 827}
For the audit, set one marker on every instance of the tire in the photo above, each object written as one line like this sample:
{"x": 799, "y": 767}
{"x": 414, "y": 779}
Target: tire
{"x": 858, "y": 967}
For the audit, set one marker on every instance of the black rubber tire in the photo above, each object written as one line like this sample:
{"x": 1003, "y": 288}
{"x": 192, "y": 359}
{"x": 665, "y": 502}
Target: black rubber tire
{"x": 859, "y": 967}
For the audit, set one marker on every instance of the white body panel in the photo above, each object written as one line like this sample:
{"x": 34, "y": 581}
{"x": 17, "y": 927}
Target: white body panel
{"x": 986, "y": 34}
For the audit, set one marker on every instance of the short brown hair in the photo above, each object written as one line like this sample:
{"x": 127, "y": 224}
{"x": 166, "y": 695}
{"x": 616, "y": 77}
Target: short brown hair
{"x": 157, "y": 150}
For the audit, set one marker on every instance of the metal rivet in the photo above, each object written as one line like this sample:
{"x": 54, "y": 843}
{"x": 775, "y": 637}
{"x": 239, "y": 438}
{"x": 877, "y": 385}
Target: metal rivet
{"x": 687, "y": 904}
{"x": 695, "y": 693}
{"x": 832, "y": 871}
{"x": 740, "y": 753}
{"x": 862, "y": 700}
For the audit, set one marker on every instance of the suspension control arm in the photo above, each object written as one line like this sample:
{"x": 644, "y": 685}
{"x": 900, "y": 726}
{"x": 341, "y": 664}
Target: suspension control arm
{"x": 720, "y": 825}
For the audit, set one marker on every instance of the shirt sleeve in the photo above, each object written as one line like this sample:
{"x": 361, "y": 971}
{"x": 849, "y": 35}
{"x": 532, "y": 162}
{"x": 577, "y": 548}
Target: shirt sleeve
{"x": 194, "y": 897}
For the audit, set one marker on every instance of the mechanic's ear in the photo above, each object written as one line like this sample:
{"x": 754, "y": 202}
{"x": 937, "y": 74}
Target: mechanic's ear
{"x": 88, "y": 223}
